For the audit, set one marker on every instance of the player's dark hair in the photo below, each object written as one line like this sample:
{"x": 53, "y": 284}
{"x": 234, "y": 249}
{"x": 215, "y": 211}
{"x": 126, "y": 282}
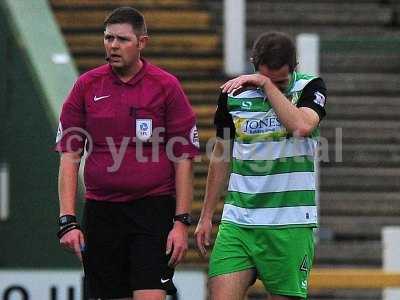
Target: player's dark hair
{"x": 128, "y": 15}
{"x": 274, "y": 49}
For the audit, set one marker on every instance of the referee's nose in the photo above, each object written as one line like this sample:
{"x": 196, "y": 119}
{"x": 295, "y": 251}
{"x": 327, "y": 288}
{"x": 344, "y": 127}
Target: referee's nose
{"x": 115, "y": 44}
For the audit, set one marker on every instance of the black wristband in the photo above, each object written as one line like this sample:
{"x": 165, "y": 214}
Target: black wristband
{"x": 63, "y": 230}
{"x": 66, "y": 219}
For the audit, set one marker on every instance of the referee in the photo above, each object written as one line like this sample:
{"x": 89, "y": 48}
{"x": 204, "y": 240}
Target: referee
{"x": 140, "y": 134}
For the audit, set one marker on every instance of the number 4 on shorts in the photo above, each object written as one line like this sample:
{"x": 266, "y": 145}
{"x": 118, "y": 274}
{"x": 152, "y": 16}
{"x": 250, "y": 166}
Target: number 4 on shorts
{"x": 304, "y": 264}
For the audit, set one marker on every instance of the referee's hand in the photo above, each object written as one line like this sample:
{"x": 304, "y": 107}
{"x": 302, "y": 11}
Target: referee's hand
{"x": 73, "y": 241}
{"x": 177, "y": 242}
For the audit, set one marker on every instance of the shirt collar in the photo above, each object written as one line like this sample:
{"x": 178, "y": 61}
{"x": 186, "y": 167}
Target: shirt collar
{"x": 135, "y": 79}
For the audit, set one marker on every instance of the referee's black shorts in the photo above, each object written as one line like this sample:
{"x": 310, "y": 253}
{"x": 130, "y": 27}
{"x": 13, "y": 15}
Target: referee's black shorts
{"x": 125, "y": 246}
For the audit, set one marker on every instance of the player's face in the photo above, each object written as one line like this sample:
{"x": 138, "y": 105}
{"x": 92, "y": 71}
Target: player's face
{"x": 123, "y": 46}
{"x": 280, "y": 77}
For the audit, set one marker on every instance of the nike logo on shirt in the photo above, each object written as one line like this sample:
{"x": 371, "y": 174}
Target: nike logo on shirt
{"x": 164, "y": 280}
{"x": 99, "y": 98}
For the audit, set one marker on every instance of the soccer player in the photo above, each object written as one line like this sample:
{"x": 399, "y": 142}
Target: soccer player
{"x": 266, "y": 229}
{"x": 141, "y": 136}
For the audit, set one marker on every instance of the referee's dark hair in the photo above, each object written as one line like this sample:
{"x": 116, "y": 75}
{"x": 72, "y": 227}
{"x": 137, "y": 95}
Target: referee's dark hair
{"x": 128, "y": 15}
{"x": 274, "y": 49}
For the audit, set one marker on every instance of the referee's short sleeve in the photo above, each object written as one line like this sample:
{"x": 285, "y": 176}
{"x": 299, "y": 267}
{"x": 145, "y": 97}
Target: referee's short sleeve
{"x": 314, "y": 96}
{"x": 223, "y": 122}
{"x": 181, "y": 122}
{"x": 71, "y": 129}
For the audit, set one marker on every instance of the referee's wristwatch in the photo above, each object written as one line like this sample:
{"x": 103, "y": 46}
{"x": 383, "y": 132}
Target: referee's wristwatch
{"x": 184, "y": 218}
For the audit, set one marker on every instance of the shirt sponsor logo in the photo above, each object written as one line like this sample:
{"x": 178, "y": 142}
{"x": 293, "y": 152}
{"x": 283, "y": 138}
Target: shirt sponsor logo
{"x": 319, "y": 99}
{"x": 254, "y": 126}
{"x": 194, "y": 137}
{"x": 144, "y": 129}
{"x": 99, "y": 98}
{"x": 164, "y": 280}
{"x": 246, "y": 105}
{"x": 59, "y": 132}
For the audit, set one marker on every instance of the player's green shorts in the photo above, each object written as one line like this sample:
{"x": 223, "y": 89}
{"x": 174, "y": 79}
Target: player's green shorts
{"x": 281, "y": 257}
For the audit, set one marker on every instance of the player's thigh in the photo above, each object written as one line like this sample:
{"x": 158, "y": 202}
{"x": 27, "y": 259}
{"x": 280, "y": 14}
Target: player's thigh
{"x": 149, "y": 295}
{"x": 231, "y": 286}
{"x": 129, "y": 298}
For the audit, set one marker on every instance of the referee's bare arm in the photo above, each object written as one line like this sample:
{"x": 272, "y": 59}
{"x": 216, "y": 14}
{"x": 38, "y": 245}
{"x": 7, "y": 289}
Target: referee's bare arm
{"x": 178, "y": 237}
{"x": 67, "y": 190}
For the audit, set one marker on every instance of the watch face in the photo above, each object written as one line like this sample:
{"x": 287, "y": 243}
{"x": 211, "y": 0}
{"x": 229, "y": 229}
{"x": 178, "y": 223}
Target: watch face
{"x": 184, "y": 218}
{"x": 189, "y": 220}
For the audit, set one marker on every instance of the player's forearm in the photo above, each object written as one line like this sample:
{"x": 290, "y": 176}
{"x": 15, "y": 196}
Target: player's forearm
{"x": 216, "y": 179}
{"x": 68, "y": 182}
{"x": 294, "y": 119}
{"x": 183, "y": 185}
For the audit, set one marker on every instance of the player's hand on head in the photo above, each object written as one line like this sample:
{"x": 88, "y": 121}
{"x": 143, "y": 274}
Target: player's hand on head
{"x": 203, "y": 236}
{"x": 177, "y": 243}
{"x": 73, "y": 241}
{"x": 243, "y": 81}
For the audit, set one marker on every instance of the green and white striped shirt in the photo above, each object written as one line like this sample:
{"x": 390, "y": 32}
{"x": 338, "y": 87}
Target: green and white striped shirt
{"x": 272, "y": 181}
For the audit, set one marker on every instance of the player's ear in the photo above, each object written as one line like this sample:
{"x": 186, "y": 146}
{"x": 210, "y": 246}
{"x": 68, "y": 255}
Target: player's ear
{"x": 142, "y": 42}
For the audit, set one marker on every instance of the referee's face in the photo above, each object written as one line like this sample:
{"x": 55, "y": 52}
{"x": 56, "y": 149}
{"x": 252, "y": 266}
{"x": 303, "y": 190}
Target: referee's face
{"x": 280, "y": 77}
{"x": 123, "y": 46}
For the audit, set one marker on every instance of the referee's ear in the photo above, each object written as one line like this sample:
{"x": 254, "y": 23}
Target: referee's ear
{"x": 142, "y": 42}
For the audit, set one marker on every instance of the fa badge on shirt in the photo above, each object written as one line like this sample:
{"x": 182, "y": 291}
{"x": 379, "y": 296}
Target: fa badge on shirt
{"x": 144, "y": 129}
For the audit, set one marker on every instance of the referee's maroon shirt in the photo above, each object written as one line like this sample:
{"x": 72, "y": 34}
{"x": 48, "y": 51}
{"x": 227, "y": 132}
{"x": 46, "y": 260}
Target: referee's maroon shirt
{"x": 112, "y": 112}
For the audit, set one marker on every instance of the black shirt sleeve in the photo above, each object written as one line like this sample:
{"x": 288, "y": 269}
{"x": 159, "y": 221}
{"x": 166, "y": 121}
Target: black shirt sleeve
{"x": 223, "y": 119}
{"x": 314, "y": 97}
